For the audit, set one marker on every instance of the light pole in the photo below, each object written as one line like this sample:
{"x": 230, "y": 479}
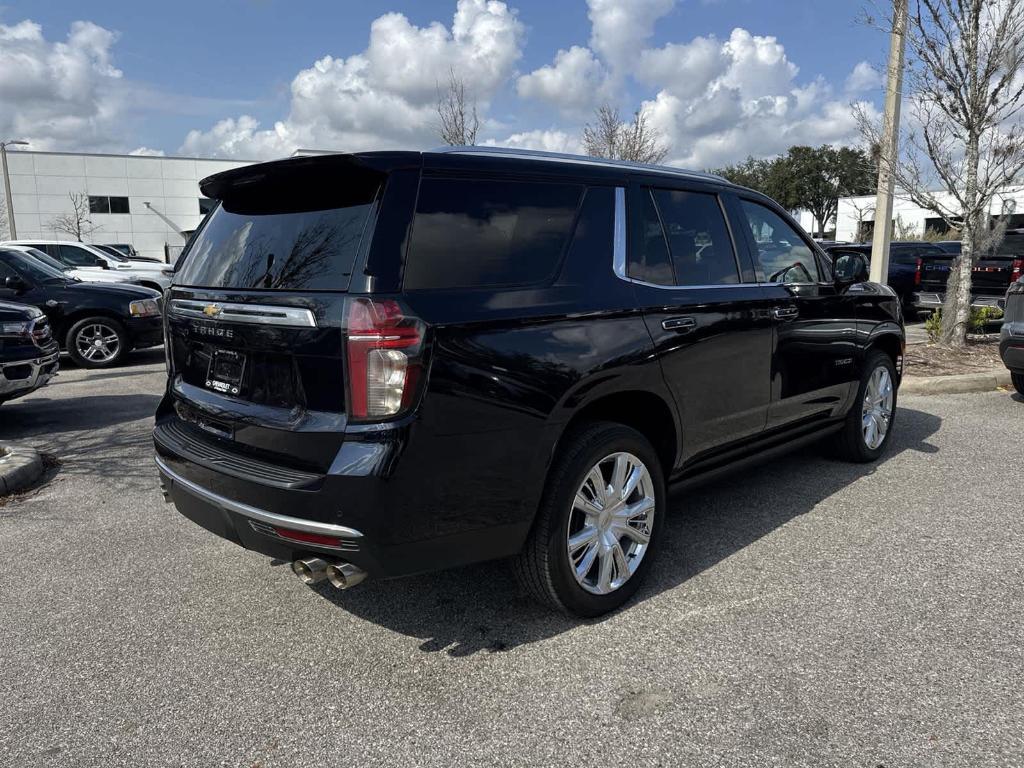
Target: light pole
{"x": 7, "y": 186}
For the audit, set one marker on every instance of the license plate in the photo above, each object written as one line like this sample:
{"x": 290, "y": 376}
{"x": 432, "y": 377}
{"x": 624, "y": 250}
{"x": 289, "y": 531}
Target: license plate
{"x": 226, "y": 371}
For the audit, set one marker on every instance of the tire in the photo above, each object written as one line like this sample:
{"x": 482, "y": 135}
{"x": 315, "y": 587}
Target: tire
{"x": 1018, "y": 382}
{"x": 109, "y": 331}
{"x": 853, "y": 442}
{"x": 545, "y": 567}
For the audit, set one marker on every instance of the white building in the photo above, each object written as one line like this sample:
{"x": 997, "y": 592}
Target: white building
{"x": 856, "y": 215}
{"x": 118, "y": 188}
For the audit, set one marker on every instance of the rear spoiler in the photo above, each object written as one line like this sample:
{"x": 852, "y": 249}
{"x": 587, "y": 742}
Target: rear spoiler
{"x": 220, "y": 185}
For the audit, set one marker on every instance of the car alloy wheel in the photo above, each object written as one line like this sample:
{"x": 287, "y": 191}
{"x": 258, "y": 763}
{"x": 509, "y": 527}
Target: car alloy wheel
{"x": 609, "y": 529}
{"x": 97, "y": 343}
{"x": 877, "y": 408}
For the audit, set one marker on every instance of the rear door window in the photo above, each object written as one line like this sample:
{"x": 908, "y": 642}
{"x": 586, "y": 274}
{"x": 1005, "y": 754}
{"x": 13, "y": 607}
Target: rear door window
{"x": 77, "y": 257}
{"x": 698, "y": 239}
{"x": 473, "y": 233}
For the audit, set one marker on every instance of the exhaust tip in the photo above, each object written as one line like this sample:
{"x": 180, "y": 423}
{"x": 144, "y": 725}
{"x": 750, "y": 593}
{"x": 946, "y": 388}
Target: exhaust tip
{"x": 312, "y": 570}
{"x": 345, "y": 575}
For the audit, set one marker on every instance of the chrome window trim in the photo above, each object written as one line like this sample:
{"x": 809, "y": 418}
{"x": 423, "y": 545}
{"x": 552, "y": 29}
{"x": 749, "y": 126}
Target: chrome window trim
{"x": 272, "y": 518}
{"x": 619, "y": 255}
{"x": 255, "y": 314}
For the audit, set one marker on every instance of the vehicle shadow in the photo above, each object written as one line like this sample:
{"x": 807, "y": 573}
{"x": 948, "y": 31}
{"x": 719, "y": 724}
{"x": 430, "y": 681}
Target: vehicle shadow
{"x": 41, "y": 416}
{"x": 133, "y": 359}
{"x": 482, "y": 608}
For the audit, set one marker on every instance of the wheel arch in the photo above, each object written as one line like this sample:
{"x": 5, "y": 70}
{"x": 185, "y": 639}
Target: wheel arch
{"x": 891, "y": 342}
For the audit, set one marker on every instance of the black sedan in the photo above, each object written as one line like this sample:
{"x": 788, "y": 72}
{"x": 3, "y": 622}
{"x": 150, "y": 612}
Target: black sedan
{"x": 28, "y": 353}
{"x": 97, "y": 323}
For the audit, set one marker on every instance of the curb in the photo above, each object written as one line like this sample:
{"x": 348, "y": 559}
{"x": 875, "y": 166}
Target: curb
{"x": 955, "y": 385}
{"x": 19, "y": 467}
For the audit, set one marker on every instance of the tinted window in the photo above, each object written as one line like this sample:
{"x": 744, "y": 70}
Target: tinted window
{"x": 698, "y": 238}
{"x": 77, "y": 257}
{"x": 906, "y": 255}
{"x": 652, "y": 264}
{"x": 783, "y": 255}
{"x": 104, "y": 204}
{"x": 489, "y": 233}
{"x": 29, "y": 268}
{"x": 206, "y": 205}
{"x": 302, "y": 238}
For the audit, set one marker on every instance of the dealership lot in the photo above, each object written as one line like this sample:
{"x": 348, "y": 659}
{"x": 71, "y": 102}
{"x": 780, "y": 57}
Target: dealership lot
{"x": 806, "y": 612}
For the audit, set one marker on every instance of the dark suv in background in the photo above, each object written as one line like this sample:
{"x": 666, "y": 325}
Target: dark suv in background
{"x": 29, "y": 357}
{"x": 388, "y": 363}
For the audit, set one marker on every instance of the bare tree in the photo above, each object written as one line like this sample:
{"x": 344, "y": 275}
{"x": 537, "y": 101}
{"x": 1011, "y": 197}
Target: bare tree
{"x": 863, "y": 211}
{"x": 458, "y": 120}
{"x": 610, "y": 137}
{"x": 966, "y": 92}
{"x": 78, "y": 223}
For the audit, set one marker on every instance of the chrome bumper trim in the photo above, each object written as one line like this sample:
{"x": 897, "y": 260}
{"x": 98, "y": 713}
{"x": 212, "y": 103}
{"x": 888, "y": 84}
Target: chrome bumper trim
{"x": 272, "y": 518}
{"x": 32, "y": 381}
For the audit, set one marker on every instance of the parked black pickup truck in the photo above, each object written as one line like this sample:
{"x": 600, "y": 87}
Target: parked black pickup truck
{"x": 991, "y": 275}
{"x": 28, "y": 353}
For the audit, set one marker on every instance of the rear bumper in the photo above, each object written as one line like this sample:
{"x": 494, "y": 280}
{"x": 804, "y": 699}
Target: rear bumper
{"x": 1011, "y": 346}
{"x": 936, "y": 300}
{"x": 385, "y": 526}
{"x": 23, "y": 376}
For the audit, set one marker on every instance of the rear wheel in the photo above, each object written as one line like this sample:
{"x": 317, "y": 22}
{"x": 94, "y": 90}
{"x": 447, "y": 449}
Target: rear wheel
{"x": 1018, "y": 382}
{"x": 597, "y": 524}
{"x": 97, "y": 342}
{"x": 869, "y": 424}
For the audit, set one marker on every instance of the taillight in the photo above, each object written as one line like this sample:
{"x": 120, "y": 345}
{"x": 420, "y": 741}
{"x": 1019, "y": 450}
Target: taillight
{"x": 383, "y": 345}
{"x": 1016, "y": 270}
{"x": 917, "y": 272}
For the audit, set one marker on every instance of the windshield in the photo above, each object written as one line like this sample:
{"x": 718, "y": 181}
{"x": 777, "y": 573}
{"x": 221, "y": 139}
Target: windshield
{"x": 296, "y": 234}
{"x": 47, "y": 259}
{"x": 113, "y": 253}
{"x": 33, "y": 270}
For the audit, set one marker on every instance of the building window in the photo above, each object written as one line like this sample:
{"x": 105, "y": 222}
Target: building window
{"x": 206, "y": 205}
{"x": 105, "y": 204}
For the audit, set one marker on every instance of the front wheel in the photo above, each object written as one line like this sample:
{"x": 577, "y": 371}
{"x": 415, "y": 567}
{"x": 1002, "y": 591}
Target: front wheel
{"x": 869, "y": 424}
{"x": 97, "y": 342}
{"x": 598, "y": 522}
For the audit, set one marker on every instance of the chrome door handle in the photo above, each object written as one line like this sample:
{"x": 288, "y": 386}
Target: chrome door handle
{"x": 785, "y": 313}
{"x": 679, "y": 324}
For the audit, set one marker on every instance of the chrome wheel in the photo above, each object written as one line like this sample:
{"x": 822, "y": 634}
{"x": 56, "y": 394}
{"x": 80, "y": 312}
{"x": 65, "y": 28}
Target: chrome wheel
{"x": 876, "y": 413}
{"x": 97, "y": 343}
{"x": 610, "y": 523}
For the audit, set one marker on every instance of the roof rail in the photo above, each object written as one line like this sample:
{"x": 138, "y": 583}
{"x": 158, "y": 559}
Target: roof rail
{"x": 536, "y": 154}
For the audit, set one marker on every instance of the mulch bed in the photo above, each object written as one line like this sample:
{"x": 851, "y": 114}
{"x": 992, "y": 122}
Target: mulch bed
{"x": 979, "y": 356}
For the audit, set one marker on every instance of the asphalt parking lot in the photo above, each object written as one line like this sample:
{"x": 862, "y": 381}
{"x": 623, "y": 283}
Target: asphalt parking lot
{"x": 805, "y": 613}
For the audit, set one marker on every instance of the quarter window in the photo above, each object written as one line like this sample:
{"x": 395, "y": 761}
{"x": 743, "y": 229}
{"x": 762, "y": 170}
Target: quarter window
{"x": 476, "y": 233}
{"x": 783, "y": 255}
{"x": 652, "y": 264}
{"x": 104, "y": 204}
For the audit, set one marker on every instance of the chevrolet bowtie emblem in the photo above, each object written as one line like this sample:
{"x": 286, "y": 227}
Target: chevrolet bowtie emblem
{"x": 212, "y": 310}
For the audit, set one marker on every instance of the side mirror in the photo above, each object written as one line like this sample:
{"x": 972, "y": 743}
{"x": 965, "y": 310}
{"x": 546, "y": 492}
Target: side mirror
{"x": 850, "y": 268}
{"x": 15, "y": 283}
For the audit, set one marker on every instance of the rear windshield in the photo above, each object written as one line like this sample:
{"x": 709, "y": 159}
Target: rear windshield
{"x": 477, "y": 233}
{"x": 285, "y": 234}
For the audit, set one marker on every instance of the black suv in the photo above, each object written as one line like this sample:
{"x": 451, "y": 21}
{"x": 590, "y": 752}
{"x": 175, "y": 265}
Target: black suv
{"x": 97, "y": 323}
{"x": 28, "y": 353}
{"x": 387, "y": 363}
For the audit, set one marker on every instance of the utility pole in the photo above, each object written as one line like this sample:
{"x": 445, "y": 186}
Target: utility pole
{"x": 7, "y": 187}
{"x": 890, "y": 145}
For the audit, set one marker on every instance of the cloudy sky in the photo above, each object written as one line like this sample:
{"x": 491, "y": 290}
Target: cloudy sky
{"x": 256, "y": 79}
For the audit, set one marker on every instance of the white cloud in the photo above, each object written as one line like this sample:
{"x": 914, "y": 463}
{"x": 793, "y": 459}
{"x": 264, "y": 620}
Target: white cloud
{"x": 864, "y": 77}
{"x": 60, "y": 94}
{"x": 574, "y": 83}
{"x": 551, "y": 140}
{"x": 719, "y": 101}
{"x": 620, "y": 29}
{"x": 147, "y": 152}
{"x": 385, "y": 96}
